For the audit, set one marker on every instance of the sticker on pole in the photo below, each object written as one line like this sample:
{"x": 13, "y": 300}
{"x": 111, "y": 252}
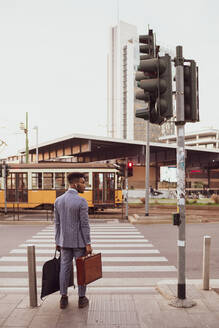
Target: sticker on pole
{"x": 181, "y": 243}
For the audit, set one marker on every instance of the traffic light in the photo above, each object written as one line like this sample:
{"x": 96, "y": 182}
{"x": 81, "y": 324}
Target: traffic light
{"x": 148, "y": 45}
{"x": 7, "y": 170}
{"x": 155, "y": 78}
{"x": 130, "y": 169}
{"x": 191, "y": 106}
{"x": 121, "y": 169}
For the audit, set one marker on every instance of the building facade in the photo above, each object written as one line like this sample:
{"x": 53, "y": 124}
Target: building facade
{"x": 205, "y": 138}
{"x": 121, "y": 78}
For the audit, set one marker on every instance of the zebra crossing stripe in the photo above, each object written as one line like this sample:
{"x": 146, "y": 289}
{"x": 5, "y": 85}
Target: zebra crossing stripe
{"x": 103, "y": 251}
{"x": 96, "y": 233}
{"x": 150, "y": 268}
{"x": 104, "y": 259}
{"x": 96, "y": 236}
{"x": 94, "y": 245}
{"x": 49, "y": 240}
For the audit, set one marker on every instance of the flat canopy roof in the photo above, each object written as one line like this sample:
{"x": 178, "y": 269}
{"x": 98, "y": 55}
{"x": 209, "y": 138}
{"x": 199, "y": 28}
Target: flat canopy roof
{"x": 87, "y": 148}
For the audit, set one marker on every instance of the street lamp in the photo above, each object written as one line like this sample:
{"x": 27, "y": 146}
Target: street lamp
{"x": 37, "y": 152}
{"x": 24, "y": 127}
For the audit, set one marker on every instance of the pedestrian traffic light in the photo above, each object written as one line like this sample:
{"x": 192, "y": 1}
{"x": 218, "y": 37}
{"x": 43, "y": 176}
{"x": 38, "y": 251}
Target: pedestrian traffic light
{"x": 130, "y": 169}
{"x": 156, "y": 81}
{"x": 191, "y": 106}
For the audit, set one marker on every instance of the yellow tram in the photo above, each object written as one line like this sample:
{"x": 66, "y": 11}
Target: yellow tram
{"x": 38, "y": 185}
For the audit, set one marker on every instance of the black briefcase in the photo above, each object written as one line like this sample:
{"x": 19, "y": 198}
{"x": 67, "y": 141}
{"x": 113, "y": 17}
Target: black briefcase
{"x": 50, "y": 277}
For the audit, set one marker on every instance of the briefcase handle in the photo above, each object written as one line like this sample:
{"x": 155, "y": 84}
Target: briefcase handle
{"x": 55, "y": 253}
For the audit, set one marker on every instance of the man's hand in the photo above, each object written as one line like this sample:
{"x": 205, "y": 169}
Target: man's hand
{"x": 58, "y": 248}
{"x": 88, "y": 249}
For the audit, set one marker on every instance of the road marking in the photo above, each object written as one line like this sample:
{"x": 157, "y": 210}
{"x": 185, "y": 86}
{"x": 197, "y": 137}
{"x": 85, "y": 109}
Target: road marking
{"x": 96, "y": 233}
{"x": 103, "y": 251}
{"x": 149, "y": 268}
{"x": 49, "y": 240}
{"x": 104, "y": 259}
{"x": 95, "y": 245}
{"x": 94, "y": 236}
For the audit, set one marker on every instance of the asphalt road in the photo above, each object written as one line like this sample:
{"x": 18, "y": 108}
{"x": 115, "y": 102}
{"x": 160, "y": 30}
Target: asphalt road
{"x": 162, "y": 237}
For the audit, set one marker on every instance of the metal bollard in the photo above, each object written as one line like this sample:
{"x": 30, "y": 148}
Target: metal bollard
{"x": 31, "y": 259}
{"x": 206, "y": 261}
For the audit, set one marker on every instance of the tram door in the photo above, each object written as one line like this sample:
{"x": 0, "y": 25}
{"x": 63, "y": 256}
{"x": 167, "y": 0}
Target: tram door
{"x": 103, "y": 188}
{"x": 17, "y": 190}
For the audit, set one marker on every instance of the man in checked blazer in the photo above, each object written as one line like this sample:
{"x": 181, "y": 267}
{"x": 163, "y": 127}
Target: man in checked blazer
{"x": 72, "y": 233}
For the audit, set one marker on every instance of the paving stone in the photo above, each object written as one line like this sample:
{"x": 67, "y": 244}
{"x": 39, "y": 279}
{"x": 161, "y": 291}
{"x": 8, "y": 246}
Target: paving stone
{"x": 11, "y": 299}
{"x": 201, "y": 320}
{"x": 146, "y": 305}
{"x": 6, "y": 309}
{"x": 112, "y": 318}
{"x": 200, "y": 307}
{"x": 44, "y": 321}
{"x": 2, "y": 295}
{"x": 20, "y": 317}
{"x": 211, "y": 305}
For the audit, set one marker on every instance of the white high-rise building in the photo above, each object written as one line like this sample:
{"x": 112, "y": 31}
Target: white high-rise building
{"x": 122, "y": 60}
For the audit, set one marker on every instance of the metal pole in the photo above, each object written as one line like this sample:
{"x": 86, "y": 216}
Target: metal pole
{"x": 147, "y": 168}
{"x": 37, "y": 150}
{"x": 127, "y": 190}
{"x": 31, "y": 259}
{"x": 5, "y": 188}
{"x": 206, "y": 262}
{"x": 27, "y": 145}
{"x": 180, "y": 126}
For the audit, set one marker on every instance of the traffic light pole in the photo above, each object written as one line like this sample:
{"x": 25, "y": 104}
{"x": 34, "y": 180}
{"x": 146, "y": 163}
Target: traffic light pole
{"x": 180, "y": 127}
{"x": 126, "y": 191}
{"x": 147, "y": 168}
{"x": 5, "y": 188}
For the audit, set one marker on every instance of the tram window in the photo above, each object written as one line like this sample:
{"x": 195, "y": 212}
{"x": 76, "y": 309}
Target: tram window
{"x": 22, "y": 181}
{"x": 11, "y": 181}
{"x": 36, "y": 180}
{"x": 86, "y": 177}
{"x": 47, "y": 180}
{"x": 59, "y": 180}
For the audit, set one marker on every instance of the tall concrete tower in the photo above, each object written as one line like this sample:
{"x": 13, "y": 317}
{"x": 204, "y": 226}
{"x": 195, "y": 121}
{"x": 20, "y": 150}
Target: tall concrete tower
{"x": 122, "y": 60}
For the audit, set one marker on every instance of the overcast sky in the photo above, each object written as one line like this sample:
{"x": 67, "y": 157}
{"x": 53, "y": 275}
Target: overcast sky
{"x": 53, "y": 60}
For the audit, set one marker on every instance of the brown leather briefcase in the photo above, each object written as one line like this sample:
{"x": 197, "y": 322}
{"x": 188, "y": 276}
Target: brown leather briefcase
{"x": 89, "y": 268}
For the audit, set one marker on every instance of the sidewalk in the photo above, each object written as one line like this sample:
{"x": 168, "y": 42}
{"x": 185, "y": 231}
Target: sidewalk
{"x": 113, "y": 309}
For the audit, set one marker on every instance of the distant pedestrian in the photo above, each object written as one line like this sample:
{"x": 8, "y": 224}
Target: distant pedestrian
{"x": 72, "y": 233}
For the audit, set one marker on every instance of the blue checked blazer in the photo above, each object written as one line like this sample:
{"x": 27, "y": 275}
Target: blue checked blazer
{"x": 72, "y": 227}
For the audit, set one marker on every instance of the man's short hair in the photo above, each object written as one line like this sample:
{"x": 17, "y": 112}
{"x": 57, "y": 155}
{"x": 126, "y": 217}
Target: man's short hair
{"x": 74, "y": 177}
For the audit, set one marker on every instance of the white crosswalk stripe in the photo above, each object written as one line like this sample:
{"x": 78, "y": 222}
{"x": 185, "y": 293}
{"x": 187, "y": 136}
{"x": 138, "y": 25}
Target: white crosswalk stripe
{"x": 124, "y": 251}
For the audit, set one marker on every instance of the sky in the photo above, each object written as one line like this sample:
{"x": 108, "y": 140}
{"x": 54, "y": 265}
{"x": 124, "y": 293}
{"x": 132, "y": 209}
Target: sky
{"x": 53, "y": 61}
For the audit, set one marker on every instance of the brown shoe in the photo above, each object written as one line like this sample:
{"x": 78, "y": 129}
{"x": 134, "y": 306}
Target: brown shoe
{"x": 63, "y": 302}
{"x": 83, "y": 302}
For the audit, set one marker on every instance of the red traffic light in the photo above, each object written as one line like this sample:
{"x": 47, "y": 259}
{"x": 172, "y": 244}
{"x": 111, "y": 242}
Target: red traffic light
{"x": 130, "y": 169}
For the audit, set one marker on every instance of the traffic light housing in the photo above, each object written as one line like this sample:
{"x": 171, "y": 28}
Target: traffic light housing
{"x": 191, "y": 106}
{"x": 130, "y": 169}
{"x": 121, "y": 169}
{"x": 6, "y": 168}
{"x": 155, "y": 78}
